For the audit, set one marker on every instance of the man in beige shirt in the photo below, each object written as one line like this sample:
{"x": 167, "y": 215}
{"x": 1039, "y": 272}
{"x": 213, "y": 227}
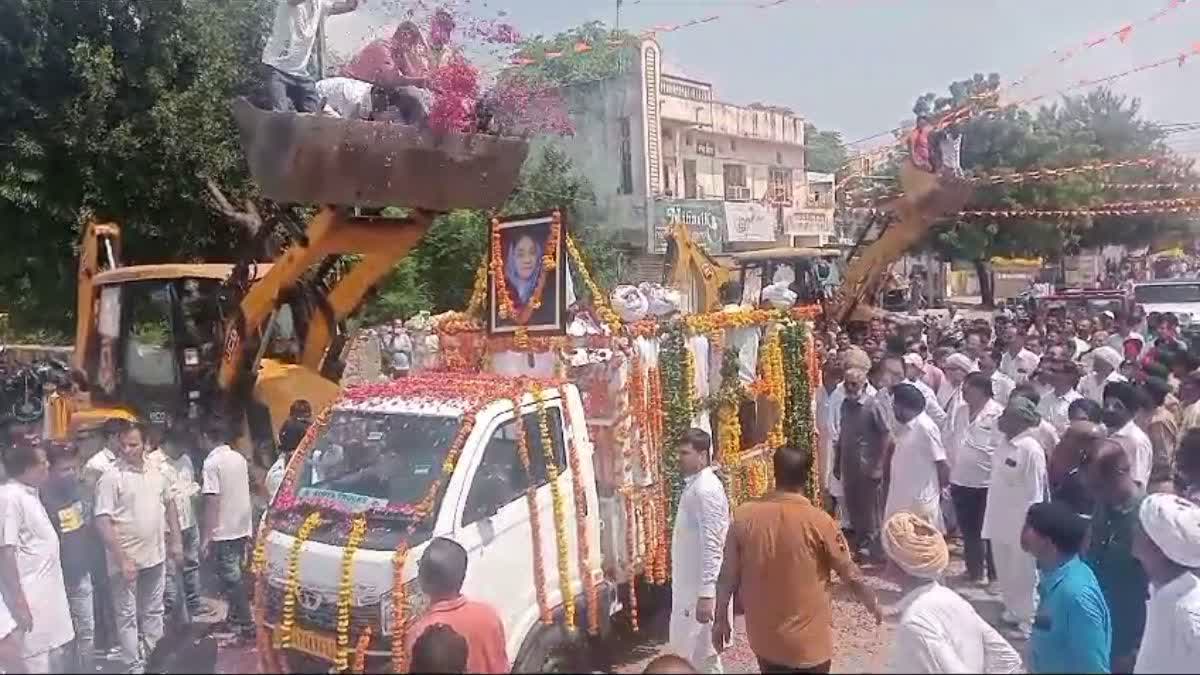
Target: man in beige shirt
{"x": 138, "y": 523}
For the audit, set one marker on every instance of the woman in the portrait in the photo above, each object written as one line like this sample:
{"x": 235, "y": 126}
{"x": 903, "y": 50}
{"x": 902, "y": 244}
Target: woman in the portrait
{"x": 523, "y": 269}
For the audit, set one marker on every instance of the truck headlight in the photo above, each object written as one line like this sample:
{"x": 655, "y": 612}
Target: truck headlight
{"x": 415, "y": 604}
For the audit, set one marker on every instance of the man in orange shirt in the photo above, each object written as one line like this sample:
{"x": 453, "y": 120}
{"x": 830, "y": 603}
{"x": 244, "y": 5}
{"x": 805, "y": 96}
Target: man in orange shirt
{"x": 442, "y": 570}
{"x": 779, "y": 553}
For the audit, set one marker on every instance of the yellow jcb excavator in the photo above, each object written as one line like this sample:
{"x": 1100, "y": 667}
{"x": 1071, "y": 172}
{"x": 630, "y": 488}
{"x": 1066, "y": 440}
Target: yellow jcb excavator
{"x": 184, "y": 342}
{"x": 862, "y": 272}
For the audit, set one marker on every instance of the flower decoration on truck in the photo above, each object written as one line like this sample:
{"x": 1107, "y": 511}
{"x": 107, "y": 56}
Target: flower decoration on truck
{"x": 559, "y": 509}
{"x": 535, "y": 525}
{"x": 346, "y": 591}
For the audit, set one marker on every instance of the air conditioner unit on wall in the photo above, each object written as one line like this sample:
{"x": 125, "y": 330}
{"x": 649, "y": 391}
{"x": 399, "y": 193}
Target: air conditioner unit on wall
{"x": 737, "y": 193}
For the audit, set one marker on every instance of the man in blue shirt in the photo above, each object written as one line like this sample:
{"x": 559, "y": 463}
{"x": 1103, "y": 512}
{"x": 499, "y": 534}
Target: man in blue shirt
{"x": 1072, "y": 631}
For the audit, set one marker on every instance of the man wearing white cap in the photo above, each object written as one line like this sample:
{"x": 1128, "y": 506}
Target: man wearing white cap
{"x": 1167, "y": 543}
{"x": 958, "y": 366}
{"x": 1105, "y": 362}
{"x": 938, "y": 631}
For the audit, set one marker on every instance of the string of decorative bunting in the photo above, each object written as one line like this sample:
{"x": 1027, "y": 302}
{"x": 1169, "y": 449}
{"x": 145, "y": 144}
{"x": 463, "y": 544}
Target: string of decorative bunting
{"x": 1150, "y": 186}
{"x": 965, "y": 112}
{"x": 1034, "y": 175}
{"x": 1101, "y": 210}
{"x": 1121, "y": 34}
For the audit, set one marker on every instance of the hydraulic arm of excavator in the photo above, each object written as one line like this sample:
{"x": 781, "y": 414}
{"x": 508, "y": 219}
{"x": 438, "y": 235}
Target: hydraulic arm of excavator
{"x": 926, "y": 198}
{"x": 377, "y": 242}
{"x": 100, "y": 250}
{"x": 692, "y": 271}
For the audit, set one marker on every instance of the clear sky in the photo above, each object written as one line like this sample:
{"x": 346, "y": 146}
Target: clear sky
{"x": 858, "y": 65}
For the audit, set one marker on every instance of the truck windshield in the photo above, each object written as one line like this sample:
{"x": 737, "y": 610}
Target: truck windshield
{"x": 1151, "y": 294}
{"x": 368, "y": 459}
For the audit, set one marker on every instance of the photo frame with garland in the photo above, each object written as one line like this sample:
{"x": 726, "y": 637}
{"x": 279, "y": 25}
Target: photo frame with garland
{"x": 526, "y": 294}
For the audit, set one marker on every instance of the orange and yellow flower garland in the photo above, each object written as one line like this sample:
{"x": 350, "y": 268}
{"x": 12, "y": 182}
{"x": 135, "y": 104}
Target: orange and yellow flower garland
{"x": 599, "y": 299}
{"x": 559, "y": 509}
{"x": 358, "y": 529}
{"x": 287, "y": 621}
{"x": 581, "y": 536}
{"x": 399, "y": 605}
{"x": 539, "y": 569}
{"x": 631, "y": 566}
{"x": 771, "y": 364}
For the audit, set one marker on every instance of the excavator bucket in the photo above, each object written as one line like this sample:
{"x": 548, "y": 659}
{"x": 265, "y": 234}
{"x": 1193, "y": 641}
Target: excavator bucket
{"x": 329, "y": 160}
{"x": 932, "y": 196}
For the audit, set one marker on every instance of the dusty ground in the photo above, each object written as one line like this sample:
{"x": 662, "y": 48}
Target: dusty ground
{"x": 860, "y": 646}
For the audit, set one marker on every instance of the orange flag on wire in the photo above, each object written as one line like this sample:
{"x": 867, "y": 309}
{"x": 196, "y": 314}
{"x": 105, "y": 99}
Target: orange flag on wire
{"x": 1124, "y": 32}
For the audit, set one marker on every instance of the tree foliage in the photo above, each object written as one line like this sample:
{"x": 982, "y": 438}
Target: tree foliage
{"x": 439, "y": 274}
{"x": 1097, "y": 126}
{"x": 111, "y": 109}
{"x": 824, "y": 151}
{"x": 591, "y": 51}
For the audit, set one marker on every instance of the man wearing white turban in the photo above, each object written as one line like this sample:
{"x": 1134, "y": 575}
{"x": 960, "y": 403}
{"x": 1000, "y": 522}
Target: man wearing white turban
{"x": 1105, "y": 362}
{"x": 938, "y": 631}
{"x": 1167, "y": 543}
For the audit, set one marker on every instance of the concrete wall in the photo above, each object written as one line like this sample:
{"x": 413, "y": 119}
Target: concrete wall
{"x": 596, "y": 109}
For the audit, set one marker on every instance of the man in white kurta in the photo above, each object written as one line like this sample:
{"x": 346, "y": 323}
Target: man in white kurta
{"x": 697, "y": 548}
{"x": 938, "y": 631}
{"x": 1120, "y": 404}
{"x": 1167, "y": 543}
{"x": 1053, "y": 407}
{"x": 1018, "y": 480}
{"x": 28, "y": 539}
{"x": 918, "y": 467}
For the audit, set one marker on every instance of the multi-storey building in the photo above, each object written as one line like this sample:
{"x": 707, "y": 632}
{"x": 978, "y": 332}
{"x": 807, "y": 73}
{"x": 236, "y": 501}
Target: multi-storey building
{"x": 660, "y": 148}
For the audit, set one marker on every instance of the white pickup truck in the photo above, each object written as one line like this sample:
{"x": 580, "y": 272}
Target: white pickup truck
{"x": 383, "y": 449}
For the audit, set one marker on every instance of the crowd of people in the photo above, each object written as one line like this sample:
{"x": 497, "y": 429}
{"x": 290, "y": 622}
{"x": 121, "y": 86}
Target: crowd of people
{"x": 1035, "y": 442}
{"x": 1060, "y": 452}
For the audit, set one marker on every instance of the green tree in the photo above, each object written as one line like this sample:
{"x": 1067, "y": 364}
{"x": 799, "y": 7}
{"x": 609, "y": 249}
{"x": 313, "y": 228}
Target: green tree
{"x": 439, "y": 274}
{"x": 589, "y": 52}
{"x": 824, "y": 151}
{"x": 1096, "y": 126}
{"x": 112, "y": 108}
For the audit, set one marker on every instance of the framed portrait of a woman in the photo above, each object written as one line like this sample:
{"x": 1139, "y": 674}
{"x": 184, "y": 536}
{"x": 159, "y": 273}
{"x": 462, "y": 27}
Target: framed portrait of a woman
{"x": 527, "y": 266}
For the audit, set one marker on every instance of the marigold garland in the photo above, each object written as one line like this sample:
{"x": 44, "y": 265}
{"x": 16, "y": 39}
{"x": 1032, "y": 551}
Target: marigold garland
{"x": 287, "y": 622}
{"x": 771, "y": 364}
{"x": 478, "y": 290}
{"x": 560, "y": 517}
{"x": 798, "y": 412}
{"x": 581, "y": 536}
{"x": 637, "y": 405}
{"x": 346, "y": 592}
{"x": 399, "y": 607}
{"x": 539, "y": 569}
{"x": 631, "y": 561}
{"x": 599, "y": 298}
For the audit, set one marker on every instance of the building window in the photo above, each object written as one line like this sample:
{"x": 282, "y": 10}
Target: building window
{"x": 779, "y": 158}
{"x": 626, "y": 157}
{"x": 736, "y": 189}
{"x": 733, "y": 145}
{"x": 689, "y": 178}
{"x": 781, "y": 186}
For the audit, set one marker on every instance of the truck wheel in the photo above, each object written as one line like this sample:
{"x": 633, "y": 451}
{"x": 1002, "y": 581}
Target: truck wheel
{"x": 549, "y": 649}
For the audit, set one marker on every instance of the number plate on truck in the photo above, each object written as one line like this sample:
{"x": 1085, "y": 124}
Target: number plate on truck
{"x": 316, "y": 644}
